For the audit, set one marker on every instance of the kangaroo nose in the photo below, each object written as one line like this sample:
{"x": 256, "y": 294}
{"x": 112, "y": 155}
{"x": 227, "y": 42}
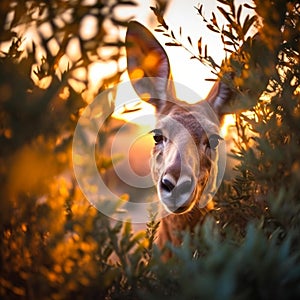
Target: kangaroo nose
{"x": 168, "y": 183}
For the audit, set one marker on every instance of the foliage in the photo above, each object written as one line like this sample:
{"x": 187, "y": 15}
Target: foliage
{"x": 54, "y": 245}
{"x": 257, "y": 268}
{"x": 50, "y": 236}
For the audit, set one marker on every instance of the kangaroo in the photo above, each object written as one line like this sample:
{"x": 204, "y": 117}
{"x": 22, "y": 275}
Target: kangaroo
{"x": 184, "y": 160}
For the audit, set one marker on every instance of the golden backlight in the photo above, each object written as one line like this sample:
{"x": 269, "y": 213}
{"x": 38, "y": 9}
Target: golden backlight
{"x": 186, "y": 71}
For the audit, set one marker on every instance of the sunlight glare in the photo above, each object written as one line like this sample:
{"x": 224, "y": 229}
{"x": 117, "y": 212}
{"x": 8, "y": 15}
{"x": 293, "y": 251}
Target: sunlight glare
{"x": 53, "y": 46}
{"x": 46, "y": 29}
{"x": 80, "y": 73}
{"x": 143, "y": 113}
{"x": 98, "y": 71}
{"x": 42, "y": 83}
{"x": 229, "y": 121}
{"x": 73, "y": 49}
{"x": 88, "y": 27}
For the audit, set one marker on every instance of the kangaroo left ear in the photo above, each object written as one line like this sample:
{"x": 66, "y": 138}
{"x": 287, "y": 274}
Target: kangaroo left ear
{"x": 220, "y": 98}
{"x": 148, "y": 66}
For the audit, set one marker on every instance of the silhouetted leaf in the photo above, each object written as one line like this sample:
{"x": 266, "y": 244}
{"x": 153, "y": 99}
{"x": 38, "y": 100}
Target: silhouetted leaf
{"x": 248, "y": 23}
{"x": 159, "y": 16}
{"x": 225, "y": 14}
{"x": 238, "y": 16}
{"x": 172, "y": 44}
{"x": 212, "y": 28}
{"x": 200, "y": 46}
{"x": 249, "y": 6}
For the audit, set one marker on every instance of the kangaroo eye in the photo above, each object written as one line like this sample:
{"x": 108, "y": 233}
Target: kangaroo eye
{"x": 158, "y": 139}
{"x": 157, "y": 136}
{"x": 213, "y": 141}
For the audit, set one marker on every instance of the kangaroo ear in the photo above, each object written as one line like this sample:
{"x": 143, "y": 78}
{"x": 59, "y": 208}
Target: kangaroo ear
{"x": 148, "y": 65}
{"x": 220, "y": 98}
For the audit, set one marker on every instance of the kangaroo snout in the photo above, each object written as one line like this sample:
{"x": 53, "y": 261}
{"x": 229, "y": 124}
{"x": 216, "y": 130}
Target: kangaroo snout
{"x": 176, "y": 195}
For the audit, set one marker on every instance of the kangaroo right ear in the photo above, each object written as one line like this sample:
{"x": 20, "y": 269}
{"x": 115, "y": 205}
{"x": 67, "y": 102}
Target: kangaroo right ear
{"x": 148, "y": 66}
{"x": 220, "y": 98}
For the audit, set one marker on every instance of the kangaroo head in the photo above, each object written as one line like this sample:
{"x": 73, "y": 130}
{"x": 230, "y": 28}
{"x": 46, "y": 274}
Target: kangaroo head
{"x": 184, "y": 159}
